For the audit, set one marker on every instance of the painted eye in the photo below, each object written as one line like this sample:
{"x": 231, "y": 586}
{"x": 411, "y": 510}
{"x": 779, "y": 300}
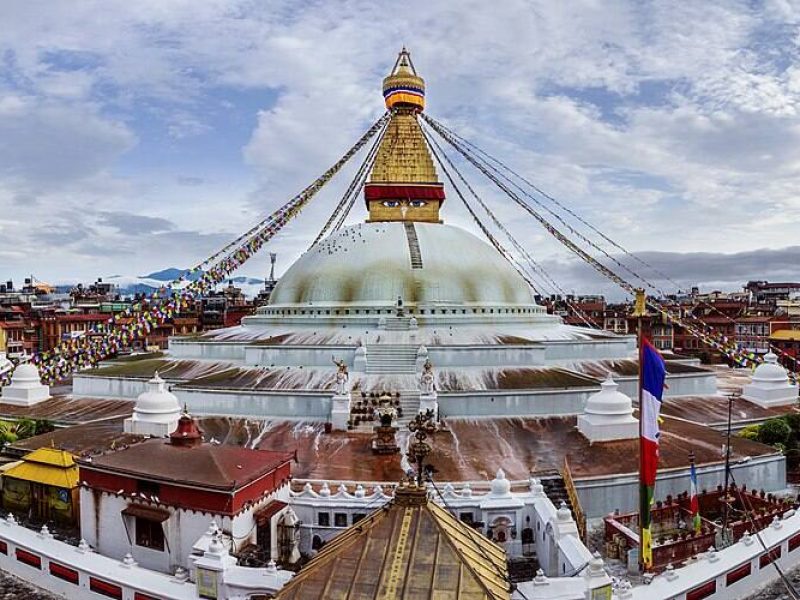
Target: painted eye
{"x": 418, "y": 203}
{"x": 391, "y": 203}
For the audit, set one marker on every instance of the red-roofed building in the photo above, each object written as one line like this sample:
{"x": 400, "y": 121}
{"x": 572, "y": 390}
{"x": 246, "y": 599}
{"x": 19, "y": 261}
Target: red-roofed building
{"x": 156, "y": 499}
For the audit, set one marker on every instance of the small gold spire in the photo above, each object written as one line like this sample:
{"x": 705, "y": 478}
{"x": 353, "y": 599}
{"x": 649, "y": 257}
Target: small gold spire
{"x": 640, "y": 303}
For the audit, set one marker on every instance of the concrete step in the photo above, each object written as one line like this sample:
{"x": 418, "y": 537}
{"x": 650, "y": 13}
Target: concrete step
{"x": 391, "y": 358}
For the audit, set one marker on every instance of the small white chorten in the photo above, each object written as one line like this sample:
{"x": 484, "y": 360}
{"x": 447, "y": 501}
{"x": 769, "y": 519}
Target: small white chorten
{"x": 26, "y": 387}
{"x": 608, "y": 415}
{"x": 770, "y": 385}
{"x": 157, "y": 411}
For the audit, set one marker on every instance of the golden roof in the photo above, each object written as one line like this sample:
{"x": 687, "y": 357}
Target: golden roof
{"x": 788, "y": 335}
{"x": 411, "y": 549}
{"x": 403, "y": 156}
{"x": 48, "y": 466}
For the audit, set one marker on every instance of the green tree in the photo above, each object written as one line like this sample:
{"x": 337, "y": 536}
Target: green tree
{"x": 774, "y": 432}
{"x": 750, "y": 432}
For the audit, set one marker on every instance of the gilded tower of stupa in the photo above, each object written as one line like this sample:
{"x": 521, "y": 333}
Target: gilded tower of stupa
{"x": 403, "y": 185}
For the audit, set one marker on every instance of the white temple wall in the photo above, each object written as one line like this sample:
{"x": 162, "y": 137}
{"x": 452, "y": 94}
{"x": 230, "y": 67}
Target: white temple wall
{"x": 501, "y": 404}
{"x": 498, "y": 355}
{"x": 108, "y": 387}
{"x": 288, "y": 405}
{"x": 680, "y": 384}
{"x": 182, "y": 530}
{"x": 567, "y": 350}
{"x": 602, "y": 495}
{"x": 194, "y": 349}
{"x": 293, "y": 356}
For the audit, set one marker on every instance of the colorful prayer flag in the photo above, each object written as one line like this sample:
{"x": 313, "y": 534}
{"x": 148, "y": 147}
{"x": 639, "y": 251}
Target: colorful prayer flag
{"x": 653, "y": 373}
{"x": 694, "y": 503}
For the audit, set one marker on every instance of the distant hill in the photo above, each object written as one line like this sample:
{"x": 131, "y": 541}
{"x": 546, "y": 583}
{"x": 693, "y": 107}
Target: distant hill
{"x": 131, "y": 284}
{"x": 171, "y": 274}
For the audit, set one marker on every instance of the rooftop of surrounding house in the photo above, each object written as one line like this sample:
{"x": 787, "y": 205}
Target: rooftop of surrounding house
{"x": 67, "y": 409}
{"x": 207, "y": 465}
{"x": 521, "y": 446}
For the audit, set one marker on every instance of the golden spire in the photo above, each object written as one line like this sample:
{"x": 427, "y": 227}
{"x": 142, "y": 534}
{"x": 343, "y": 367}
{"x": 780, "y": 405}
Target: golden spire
{"x": 403, "y": 184}
{"x": 403, "y": 87}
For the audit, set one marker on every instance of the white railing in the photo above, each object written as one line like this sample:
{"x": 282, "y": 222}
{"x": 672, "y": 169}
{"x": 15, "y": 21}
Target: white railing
{"x": 78, "y": 573}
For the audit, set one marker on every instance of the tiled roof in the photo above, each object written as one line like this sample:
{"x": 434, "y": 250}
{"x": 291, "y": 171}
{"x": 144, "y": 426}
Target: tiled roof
{"x": 411, "y": 549}
{"x": 48, "y": 466}
{"x": 207, "y": 465}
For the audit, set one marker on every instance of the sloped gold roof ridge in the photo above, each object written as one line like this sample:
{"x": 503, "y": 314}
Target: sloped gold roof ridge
{"x": 403, "y": 156}
{"x": 48, "y": 466}
{"x": 410, "y": 549}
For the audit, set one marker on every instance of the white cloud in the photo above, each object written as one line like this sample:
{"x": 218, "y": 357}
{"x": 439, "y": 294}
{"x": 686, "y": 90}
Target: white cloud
{"x": 668, "y": 124}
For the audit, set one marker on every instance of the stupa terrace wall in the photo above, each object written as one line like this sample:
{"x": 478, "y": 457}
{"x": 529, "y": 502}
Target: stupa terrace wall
{"x": 193, "y": 348}
{"x": 601, "y": 495}
{"x": 289, "y": 405}
{"x": 443, "y": 355}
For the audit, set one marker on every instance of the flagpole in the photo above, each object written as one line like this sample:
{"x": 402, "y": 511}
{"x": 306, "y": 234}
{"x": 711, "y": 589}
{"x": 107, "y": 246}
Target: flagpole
{"x": 639, "y": 310}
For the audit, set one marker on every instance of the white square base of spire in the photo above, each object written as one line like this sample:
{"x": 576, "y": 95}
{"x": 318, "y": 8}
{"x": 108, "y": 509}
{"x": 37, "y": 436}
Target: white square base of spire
{"x": 596, "y": 428}
{"x": 768, "y": 396}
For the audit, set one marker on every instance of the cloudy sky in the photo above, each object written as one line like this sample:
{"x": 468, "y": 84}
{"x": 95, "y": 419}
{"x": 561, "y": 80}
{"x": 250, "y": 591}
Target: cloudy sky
{"x": 136, "y": 136}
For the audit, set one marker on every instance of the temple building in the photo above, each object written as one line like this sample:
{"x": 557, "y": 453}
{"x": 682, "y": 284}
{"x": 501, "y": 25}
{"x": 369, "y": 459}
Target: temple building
{"x": 43, "y": 485}
{"x": 156, "y": 499}
{"x": 406, "y": 305}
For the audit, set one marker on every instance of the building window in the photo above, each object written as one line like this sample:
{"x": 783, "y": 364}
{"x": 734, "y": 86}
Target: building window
{"x": 324, "y": 519}
{"x": 340, "y": 519}
{"x": 149, "y": 534}
{"x": 357, "y": 517}
{"x": 148, "y": 488}
{"x": 467, "y": 517}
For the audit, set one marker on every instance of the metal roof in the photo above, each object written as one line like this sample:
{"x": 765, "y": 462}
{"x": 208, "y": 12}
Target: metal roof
{"x": 410, "y": 549}
{"x": 48, "y": 466}
{"x": 787, "y": 335}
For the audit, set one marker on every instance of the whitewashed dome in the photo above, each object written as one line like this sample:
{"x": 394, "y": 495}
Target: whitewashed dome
{"x": 157, "y": 401}
{"x": 609, "y": 400}
{"x": 500, "y": 485}
{"x": 26, "y": 373}
{"x": 372, "y": 264}
{"x": 770, "y": 371}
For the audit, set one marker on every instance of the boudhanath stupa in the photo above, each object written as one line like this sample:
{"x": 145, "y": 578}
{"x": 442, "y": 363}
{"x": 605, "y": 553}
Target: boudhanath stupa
{"x": 406, "y": 306}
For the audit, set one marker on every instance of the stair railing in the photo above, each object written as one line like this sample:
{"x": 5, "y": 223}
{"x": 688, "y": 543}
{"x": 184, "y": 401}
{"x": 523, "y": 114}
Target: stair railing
{"x": 572, "y": 494}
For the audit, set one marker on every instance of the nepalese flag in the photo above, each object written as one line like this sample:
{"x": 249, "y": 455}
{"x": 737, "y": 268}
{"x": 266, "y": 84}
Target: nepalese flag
{"x": 653, "y": 373}
{"x": 694, "y": 503}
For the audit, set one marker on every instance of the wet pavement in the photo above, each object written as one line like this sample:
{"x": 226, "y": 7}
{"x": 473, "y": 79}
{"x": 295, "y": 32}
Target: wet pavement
{"x": 11, "y": 587}
{"x": 778, "y": 591}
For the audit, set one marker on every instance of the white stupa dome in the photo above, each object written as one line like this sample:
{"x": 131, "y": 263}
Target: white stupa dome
{"x": 608, "y": 415}
{"x": 157, "y": 410}
{"x": 26, "y": 373}
{"x": 157, "y": 401}
{"x": 372, "y": 264}
{"x": 609, "y": 400}
{"x": 500, "y": 486}
{"x": 770, "y": 385}
{"x": 26, "y": 387}
{"x": 770, "y": 371}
